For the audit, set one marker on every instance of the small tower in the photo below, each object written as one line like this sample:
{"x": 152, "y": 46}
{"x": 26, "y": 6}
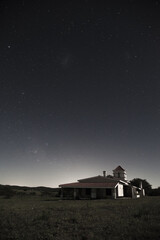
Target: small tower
{"x": 120, "y": 173}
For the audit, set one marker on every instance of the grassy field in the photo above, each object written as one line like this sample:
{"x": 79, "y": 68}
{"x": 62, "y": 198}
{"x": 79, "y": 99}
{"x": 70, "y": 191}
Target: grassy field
{"x": 34, "y": 217}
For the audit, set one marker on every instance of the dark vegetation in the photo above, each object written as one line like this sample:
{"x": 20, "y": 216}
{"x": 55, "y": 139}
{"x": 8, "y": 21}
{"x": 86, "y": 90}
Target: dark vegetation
{"x": 155, "y": 192}
{"x": 8, "y": 191}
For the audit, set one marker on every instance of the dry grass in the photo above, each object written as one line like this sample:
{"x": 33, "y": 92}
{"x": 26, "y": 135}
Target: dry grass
{"x": 36, "y": 218}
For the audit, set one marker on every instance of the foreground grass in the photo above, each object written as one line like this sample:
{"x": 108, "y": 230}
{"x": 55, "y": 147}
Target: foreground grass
{"x": 37, "y": 218}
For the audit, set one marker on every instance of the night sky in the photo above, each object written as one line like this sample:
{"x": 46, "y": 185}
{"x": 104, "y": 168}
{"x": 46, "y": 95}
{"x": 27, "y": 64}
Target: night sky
{"x": 79, "y": 90}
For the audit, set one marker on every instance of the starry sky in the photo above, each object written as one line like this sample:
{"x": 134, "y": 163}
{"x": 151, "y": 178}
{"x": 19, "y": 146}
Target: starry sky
{"x": 79, "y": 90}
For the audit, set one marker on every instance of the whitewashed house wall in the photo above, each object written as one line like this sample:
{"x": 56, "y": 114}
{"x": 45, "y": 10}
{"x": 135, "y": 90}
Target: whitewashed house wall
{"x": 120, "y": 190}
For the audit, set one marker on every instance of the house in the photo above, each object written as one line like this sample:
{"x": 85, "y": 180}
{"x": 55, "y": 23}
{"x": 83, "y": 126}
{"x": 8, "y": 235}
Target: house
{"x": 101, "y": 187}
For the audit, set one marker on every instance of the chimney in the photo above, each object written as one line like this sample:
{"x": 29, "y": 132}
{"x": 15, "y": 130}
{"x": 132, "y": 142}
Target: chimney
{"x": 104, "y": 173}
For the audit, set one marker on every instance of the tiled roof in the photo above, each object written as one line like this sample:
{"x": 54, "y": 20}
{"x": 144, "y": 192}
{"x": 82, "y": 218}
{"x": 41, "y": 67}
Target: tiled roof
{"x": 90, "y": 178}
{"x": 119, "y": 168}
{"x": 98, "y": 179}
{"x": 89, "y": 185}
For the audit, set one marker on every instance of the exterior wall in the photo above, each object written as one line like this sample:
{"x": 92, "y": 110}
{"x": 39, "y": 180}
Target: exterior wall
{"x": 103, "y": 193}
{"x": 120, "y": 190}
{"x": 127, "y": 191}
{"x": 88, "y": 193}
{"x": 137, "y": 192}
{"x": 82, "y": 192}
{"x": 134, "y": 192}
{"x": 143, "y": 193}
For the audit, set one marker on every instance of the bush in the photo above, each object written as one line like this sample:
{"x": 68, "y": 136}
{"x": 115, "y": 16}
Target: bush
{"x": 155, "y": 192}
{"x": 6, "y": 191}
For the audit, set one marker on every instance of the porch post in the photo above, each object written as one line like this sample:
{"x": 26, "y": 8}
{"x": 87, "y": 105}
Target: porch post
{"x": 74, "y": 193}
{"x": 93, "y": 193}
{"x": 114, "y": 193}
{"x": 133, "y": 193}
{"x": 61, "y": 193}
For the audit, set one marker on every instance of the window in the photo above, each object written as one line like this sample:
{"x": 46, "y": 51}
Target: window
{"x": 88, "y": 191}
{"x": 108, "y": 191}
